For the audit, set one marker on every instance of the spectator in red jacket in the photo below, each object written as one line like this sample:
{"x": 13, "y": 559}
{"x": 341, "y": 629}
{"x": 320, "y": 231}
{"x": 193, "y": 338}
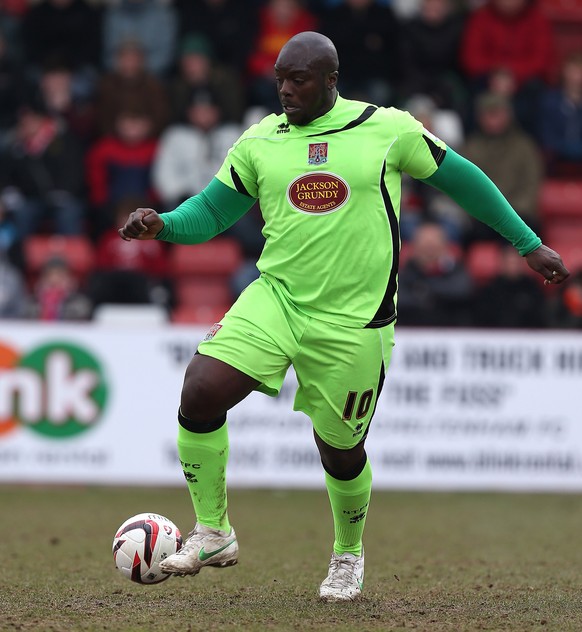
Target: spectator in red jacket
{"x": 119, "y": 165}
{"x": 515, "y": 37}
{"x": 279, "y": 20}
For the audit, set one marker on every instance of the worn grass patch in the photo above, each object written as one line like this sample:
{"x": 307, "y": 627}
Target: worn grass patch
{"x": 434, "y": 562}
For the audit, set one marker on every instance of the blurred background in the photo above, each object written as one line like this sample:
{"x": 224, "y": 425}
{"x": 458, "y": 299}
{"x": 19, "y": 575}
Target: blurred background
{"x": 106, "y": 106}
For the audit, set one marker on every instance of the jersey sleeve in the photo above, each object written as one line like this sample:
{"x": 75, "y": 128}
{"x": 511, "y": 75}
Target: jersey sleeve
{"x": 420, "y": 151}
{"x": 238, "y": 171}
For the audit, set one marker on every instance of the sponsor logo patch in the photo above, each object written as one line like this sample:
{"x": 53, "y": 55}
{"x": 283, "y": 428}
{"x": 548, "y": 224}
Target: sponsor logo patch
{"x": 317, "y": 153}
{"x": 213, "y": 331}
{"x": 319, "y": 192}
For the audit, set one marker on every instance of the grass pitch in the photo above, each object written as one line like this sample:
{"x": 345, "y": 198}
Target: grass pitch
{"x": 434, "y": 562}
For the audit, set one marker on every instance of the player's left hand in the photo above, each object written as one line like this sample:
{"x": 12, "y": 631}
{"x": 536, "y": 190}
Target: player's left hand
{"x": 549, "y": 264}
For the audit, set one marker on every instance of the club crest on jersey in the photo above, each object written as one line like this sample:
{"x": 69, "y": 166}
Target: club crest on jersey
{"x": 213, "y": 331}
{"x": 317, "y": 154}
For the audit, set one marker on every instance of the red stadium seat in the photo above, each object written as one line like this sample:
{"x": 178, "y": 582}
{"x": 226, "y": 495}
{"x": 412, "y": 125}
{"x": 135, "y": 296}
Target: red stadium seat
{"x": 562, "y": 10}
{"x": 571, "y": 253}
{"x": 561, "y": 198}
{"x": 560, "y": 232}
{"x": 566, "y": 20}
{"x": 202, "y": 292}
{"x": 483, "y": 261}
{"x": 199, "y": 315}
{"x": 77, "y": 251}
{"x": 561, "y": 212}
{"x": 219, "y": 257}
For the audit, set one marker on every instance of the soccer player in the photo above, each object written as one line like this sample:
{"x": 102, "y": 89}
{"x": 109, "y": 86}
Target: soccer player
{"x": 327, "y": 174}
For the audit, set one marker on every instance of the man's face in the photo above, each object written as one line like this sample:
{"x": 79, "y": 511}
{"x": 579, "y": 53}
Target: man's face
{"x": 304, "y": 91}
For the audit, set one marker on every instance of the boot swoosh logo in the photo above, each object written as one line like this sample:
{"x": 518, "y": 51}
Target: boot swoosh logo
{"x": 203, "y": 555}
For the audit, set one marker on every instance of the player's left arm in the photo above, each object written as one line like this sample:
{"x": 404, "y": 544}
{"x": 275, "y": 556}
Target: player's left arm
{"x": 469, "y": 187}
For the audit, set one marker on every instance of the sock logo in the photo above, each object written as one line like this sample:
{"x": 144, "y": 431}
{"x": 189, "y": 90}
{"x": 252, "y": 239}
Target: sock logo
{"x": 58, "y": 390}
{"x": 358, "y": 518}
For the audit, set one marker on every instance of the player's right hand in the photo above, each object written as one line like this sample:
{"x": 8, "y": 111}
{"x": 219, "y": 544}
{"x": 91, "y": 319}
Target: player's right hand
{"x": 143, "y": 223}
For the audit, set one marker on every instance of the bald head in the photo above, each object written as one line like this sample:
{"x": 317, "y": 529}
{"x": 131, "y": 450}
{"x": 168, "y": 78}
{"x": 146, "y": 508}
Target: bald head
{"x": 311, "y": 50}
{"x": 306, "y": 72}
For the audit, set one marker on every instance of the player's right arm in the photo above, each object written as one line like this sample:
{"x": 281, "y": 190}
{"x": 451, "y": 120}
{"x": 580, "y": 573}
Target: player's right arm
{"x": 196, "y": 220}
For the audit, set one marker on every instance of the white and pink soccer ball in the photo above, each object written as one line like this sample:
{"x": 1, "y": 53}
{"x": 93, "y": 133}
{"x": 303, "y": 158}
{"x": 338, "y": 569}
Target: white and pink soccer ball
{"x": 141, "y": 543}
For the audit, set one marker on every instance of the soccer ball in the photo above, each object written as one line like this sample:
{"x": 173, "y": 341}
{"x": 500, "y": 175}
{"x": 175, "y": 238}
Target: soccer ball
{"x": 141, "y": 543}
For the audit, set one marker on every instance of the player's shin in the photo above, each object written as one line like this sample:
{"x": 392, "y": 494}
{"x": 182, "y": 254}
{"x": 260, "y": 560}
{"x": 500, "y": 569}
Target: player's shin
{"x": 203, "y": 452}
{"x": 349, "y": 501}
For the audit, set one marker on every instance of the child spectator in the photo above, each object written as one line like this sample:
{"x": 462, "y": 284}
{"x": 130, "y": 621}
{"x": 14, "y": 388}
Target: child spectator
{"x": 57, "y": 295}
{"x": 119, "y": 165}
{"x": 560, "y": 122}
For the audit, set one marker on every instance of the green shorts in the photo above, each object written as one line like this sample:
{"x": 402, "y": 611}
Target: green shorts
{"x": 340, "y": 370}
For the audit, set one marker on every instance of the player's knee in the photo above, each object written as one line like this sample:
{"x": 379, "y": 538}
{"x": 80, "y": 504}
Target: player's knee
{"x": 343, "y": 464}
{"x": 199, "y": 401}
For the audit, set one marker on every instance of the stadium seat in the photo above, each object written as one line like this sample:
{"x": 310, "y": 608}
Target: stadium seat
{"x": 570, "y": 251}
{"x": 560, "y": 232}
{"x": 219, "y": 257}
{"x": 77, "y": 251}
{"x": 561, "y": 198}
{"x": 483, "y": 260}
{"x": 199, "y": 315}
{"x": 202, "y": 292}
{"x": 562, "y": 10}
{"x": 566, "y": 20}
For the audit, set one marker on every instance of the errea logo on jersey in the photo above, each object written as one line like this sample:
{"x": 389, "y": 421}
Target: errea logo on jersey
{"x": 434, "y": 138}
{"x": 318, "y": 193}
{"x": 57, "y": 389}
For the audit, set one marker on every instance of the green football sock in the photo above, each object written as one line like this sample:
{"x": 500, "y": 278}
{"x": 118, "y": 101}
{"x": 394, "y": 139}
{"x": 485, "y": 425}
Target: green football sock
{"x": 203, "y": 456}
{"x": 349, "y": 504}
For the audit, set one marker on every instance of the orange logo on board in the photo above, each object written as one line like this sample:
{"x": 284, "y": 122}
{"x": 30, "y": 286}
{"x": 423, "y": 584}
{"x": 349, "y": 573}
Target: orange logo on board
{"x": 318, "y": 193}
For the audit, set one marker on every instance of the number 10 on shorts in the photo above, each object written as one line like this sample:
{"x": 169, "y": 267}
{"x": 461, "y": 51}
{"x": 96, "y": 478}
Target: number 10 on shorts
{"x": 363, "y": 404}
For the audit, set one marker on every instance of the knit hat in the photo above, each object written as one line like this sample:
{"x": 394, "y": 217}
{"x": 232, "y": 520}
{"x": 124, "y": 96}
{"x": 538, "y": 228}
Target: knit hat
{"x": 196, "y": 43}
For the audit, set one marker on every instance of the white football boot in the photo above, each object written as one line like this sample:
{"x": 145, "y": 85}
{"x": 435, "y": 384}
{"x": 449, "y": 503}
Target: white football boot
{"x": 345, "y": 579}
{"x": 204, "y": 547}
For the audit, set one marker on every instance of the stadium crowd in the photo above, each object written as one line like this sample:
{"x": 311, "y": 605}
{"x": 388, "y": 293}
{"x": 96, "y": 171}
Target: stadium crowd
{"x": 106, "y": 106}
